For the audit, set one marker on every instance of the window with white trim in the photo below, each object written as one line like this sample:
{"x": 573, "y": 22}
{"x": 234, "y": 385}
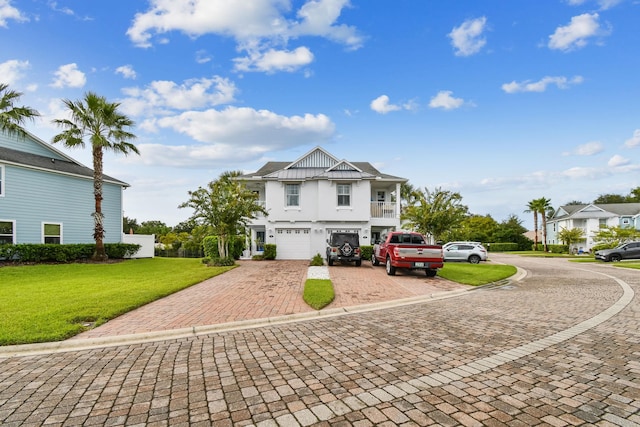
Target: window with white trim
{"x": 7, "y": 232}
{"x": 344, "y": 194}
{"x": 292, "y": 194}
{"x": 52, "y": 233}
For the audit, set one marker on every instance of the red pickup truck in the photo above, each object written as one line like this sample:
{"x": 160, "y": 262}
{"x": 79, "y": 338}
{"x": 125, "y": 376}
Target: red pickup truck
{"x": 405, "y": 249}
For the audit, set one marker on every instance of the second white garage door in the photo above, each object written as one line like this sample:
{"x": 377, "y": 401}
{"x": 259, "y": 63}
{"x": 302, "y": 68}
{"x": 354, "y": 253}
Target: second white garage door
{"x": 293, "y": 243}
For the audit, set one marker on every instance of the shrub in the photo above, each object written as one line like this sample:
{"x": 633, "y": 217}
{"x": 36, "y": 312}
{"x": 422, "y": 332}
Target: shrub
{"x": 28, "y": 252}
{"x": 502, "y": 247}
{"x": 221, "y": 262}
{"x": 258, "y": 257}
{"x": 366, "y": 251}
{"x": 210, "y": 246}
{"x": 558, "y": 249}
{"x": 317, "y": 260}
{"x": 269, "y": 251}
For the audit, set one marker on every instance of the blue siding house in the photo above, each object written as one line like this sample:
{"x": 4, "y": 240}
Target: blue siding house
{"x": 47, "y": 197}
{"x": 590, "y": 219}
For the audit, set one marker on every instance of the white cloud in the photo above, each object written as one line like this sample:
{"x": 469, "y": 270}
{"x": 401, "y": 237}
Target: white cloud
{"x": 604, "y": 4}
{"x": 202, "y": 57}
{"x": 541, "y": 85}
{"x": 467, "y": 38}
{"x": 262, "y": 28}
{"x": 127, "y": 71}
{"x": 164, "y": 97}
{"x": 617, "y": 161}
{"x": 8, "y": 12}
{"x": 381, "y": 105}
{"x": 233, "y": 135}
{"x": 275, "y": 60}
{"x": 575, "y": 35}
{"x": 12, "y": 71}
{"x": 634, "y": 141}
{"x": 69, "y": 76}
{"x": 445, "y": 100}
{"x": 247, "y": 126}
{"x": 589, "y": 149}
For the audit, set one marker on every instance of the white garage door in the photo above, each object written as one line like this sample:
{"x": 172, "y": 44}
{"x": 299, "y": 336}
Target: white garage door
{"x": 293, "y": 243}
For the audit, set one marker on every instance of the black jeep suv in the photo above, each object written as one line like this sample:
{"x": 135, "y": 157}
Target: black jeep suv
{"x": 344, "y": 247}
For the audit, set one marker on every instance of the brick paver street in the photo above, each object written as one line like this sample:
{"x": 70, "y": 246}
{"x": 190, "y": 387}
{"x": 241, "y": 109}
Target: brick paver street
{"x": 559, "y": 348}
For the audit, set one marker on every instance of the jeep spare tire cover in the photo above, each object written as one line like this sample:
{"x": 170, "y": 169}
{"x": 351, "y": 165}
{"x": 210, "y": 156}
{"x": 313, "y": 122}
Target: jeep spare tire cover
{"x": 346, "y": 249}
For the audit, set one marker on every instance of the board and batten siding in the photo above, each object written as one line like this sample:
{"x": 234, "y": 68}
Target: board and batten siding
{"x": 32, "y": 197}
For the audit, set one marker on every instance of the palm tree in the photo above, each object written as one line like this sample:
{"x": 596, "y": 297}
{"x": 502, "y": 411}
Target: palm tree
{"x": 532, "y": 207}
{"x": 546, "y": 211}
{"x": 12, "y": 118}
{"x": 98, "y": 122}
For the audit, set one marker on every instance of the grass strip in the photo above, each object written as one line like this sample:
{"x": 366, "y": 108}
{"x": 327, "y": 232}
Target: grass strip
{"x": 476, "y": 274}
{"x": 43, "y": 303}
{"x": 318, "y": 293}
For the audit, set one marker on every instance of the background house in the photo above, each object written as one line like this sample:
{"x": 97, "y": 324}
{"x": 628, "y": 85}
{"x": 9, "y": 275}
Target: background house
{"x": 47, "y": 197}
{"x": 590, "y": 218}
{"x": 316, "y": 194}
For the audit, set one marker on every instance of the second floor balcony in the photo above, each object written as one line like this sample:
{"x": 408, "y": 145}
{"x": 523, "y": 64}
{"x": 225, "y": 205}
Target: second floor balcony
{"x": 383, "y": 210}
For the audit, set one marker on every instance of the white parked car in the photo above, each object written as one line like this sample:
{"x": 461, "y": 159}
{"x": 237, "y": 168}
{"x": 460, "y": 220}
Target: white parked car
{"x": 464, "y": 251}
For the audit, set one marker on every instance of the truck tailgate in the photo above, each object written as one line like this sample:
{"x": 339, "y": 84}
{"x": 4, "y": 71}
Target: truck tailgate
{"x": 419, "y": 254}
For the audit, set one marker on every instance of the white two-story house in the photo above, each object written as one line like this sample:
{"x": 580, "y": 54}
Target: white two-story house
{"x": 316, "y": 194}
{"x": 590, "y": 218}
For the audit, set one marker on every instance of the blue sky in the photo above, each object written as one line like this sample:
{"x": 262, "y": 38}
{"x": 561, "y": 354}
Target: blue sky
{"x": 501, "y": 101}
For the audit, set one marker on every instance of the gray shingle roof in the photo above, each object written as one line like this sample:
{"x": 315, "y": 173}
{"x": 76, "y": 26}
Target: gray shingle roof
{"x": 619, "y": 209}
{"x": 47, "y": 163}
{"x": 272, "y": 167}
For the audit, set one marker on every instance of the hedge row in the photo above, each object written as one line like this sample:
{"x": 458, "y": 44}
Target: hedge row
{"x": 26, "y": 252}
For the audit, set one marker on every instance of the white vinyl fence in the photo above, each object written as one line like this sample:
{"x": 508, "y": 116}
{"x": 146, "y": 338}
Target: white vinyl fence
{"x": 146, "y": 241}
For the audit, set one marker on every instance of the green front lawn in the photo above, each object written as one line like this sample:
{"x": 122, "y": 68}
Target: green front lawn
{"x": 43, "y": 303}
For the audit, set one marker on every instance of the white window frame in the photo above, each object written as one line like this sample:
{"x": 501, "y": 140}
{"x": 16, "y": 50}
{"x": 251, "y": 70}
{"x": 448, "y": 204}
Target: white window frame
{"x": 13, "y": 229}
{"x": 287, "y": 195}
{"x": 339, "y": 194}
{"x": 2, "y": 181}
{"x": 44, "y": 236}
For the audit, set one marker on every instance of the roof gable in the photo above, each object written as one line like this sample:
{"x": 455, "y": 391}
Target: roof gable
{"x": 316, "y": 158}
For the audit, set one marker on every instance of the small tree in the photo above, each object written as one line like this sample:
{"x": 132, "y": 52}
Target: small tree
{"x": 613, "y": 236}
{"x": 435, "y": 212}
{"x": 569, "y": 236}
{"x": 226, "y": 205}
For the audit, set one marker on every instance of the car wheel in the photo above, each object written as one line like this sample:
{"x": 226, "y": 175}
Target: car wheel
{"x": 474, "y": 259}
{"x": 374, "y": 260}
{"x": 346, "y": 249}
{"x": 391, "y": 270}
{"x": 615, "y": 258}
{"x": 358, "y": 263}
{"x": 431, "y": 273}
{"x": 330, "y": 261}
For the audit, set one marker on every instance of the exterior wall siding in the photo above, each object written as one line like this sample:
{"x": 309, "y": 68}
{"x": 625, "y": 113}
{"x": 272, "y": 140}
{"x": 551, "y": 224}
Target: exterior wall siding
{"x": 28, "y": 145}
{"x": 33, "y": 197}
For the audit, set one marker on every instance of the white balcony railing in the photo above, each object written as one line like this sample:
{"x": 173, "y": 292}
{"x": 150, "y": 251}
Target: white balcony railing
{"x": 383, "y": 210}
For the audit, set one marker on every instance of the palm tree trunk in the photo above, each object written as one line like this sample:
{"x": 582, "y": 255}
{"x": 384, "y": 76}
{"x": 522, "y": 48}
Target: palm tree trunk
{"x": 535, "y": 230}
{"x": 544, "y": 231}
{"x": 98, "y": 232}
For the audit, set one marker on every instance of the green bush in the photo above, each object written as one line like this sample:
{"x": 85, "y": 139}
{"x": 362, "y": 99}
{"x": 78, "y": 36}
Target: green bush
{"x": 366, "y": 251}
{"x": 501, "y": 247}
{"x": 210, "y": 246}
{"x": 221, "y": 262}
{"x": 269, "y": 251}
{"x": 558, "y": 249}
{"x": 28, "y": 252}
{"x": 317, "y": 260}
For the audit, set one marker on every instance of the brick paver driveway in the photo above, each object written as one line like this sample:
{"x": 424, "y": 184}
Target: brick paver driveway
{"x": 561, "y": 347}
